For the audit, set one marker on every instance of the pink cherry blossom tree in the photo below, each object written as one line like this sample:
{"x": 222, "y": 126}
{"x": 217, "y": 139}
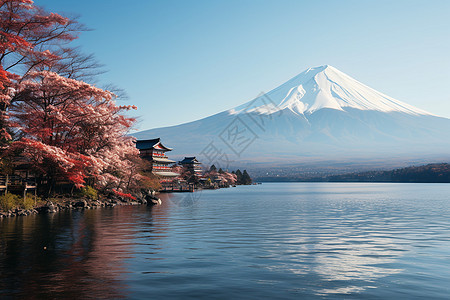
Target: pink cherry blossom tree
{"x": 72, "y": 130}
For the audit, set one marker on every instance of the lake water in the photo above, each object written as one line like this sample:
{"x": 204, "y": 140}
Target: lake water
{"x": 275, "y": 240}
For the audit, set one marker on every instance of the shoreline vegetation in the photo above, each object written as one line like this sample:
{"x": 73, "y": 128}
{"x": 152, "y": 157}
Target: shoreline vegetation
{"x": 13, "y": 205}
{"x": 212, "y": 178}
{"x": 87, "y": 197}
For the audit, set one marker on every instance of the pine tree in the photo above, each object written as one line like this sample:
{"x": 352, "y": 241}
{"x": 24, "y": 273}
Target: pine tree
{"x": 238, "y": 176}
{"x": 246, "y": 178}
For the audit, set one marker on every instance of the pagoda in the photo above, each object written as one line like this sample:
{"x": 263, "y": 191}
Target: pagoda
{"x": 192, "y": 165}
{"x": 155, "y": 152}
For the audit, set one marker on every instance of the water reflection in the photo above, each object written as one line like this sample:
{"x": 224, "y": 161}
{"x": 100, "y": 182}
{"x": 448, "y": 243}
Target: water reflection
{"x": 77, "y": 254}
{"x": 290, "y": 241}
{"x": 348, "y": 264}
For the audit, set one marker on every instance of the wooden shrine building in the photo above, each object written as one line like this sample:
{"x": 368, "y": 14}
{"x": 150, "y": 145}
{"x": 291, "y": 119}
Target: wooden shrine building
{"x": 155, "y": 152}
{"x": 192, "y": 165}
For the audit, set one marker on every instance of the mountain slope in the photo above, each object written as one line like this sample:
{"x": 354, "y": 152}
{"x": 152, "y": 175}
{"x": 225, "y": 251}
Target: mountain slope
{"x": 321, "y": 115}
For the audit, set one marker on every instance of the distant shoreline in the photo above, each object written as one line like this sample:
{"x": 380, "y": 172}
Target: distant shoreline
{"x": 431, "y": 173}
{"x": 323, "y": 181}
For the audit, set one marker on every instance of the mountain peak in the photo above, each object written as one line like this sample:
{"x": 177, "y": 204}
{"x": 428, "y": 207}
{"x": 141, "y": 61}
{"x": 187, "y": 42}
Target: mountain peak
{"x": 324, "y": 67}
{"x": 319, "y": 69}
{"x": 327, "y": 87}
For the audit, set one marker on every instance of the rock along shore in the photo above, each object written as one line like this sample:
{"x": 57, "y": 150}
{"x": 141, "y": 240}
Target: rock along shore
{"x": 65, "y": 203}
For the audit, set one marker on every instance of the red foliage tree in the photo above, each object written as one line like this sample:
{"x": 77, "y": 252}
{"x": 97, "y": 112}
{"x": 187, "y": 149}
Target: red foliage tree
{"x": 66, "y": 128}
{"x": 29, "y": 36}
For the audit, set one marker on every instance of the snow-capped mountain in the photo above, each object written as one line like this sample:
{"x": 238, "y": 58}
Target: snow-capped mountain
{"x": 320, "y": 116}
{"x": 327, "y": 87}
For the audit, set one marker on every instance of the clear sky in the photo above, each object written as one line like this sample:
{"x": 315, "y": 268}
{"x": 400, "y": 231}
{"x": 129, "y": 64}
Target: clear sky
{"x": 179, "y": 61}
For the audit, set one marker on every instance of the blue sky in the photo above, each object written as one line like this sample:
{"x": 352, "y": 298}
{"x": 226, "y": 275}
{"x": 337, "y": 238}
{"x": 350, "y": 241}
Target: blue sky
{"x": 179, "y": 61}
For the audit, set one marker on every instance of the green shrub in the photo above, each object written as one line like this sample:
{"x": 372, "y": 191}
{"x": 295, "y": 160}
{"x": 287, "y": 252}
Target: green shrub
{"x": 9, "y": 201}
{"x": 29, "y": 201}
{"x": 89, "y": 192}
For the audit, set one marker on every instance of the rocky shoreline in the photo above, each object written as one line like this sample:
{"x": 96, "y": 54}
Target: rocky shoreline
{"x": 67, "y": 203}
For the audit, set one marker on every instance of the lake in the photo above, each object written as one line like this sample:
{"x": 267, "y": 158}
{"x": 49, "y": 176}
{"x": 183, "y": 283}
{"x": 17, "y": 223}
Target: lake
{"x": 275, "y": 240}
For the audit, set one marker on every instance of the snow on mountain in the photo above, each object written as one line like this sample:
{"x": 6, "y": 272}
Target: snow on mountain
{"x": 327, "y": 87}
{"x": 320, "y": 115}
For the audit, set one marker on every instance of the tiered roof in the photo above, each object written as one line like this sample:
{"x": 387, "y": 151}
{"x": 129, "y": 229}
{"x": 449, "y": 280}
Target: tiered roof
{"x": 190, "y": 160}
{"x": 151, "y": 144}
{"x": 162, "y": 160}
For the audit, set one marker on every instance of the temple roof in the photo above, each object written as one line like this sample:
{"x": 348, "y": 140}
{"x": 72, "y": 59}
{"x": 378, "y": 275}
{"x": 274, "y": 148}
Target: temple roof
{"x": 151, "y": 144}
{"x": 190, "y": 160}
